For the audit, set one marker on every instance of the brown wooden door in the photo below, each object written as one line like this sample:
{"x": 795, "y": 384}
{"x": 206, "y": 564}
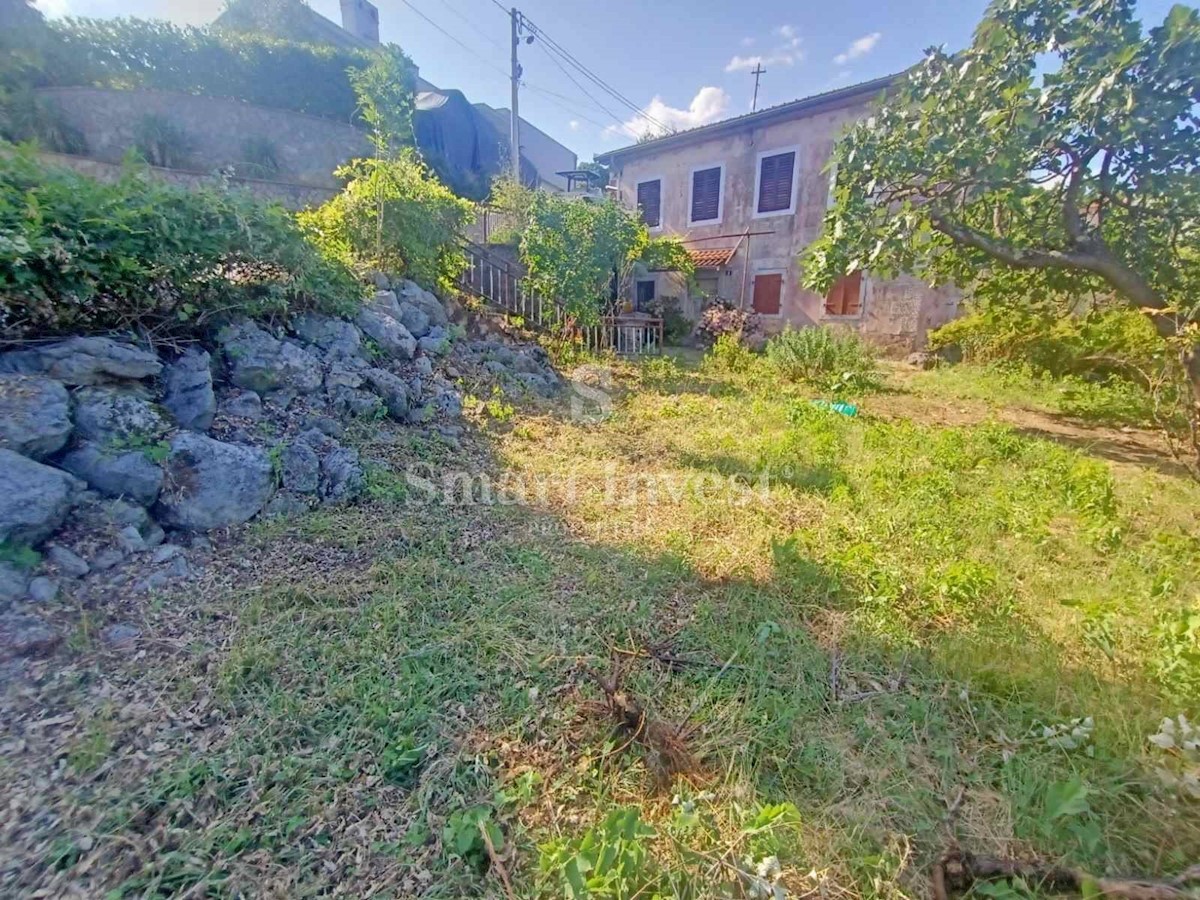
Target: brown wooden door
{"x": 767, "y": 291}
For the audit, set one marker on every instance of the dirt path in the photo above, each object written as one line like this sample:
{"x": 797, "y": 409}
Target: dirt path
{"x": 1126, "y": 446}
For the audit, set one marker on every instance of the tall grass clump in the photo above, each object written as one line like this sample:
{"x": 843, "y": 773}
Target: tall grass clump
{"x": 837, "y": 362}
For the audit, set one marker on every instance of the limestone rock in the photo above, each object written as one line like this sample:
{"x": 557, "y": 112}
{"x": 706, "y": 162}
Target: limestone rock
{"x": 243, "y": 405}
{"x": 337, "y": 337}
{"x": 25, "y": 635}
{"x": 411, "y": 292}
{"x": 436, "y": 343}
{"x": 84, "y": 360}
{"x": 211, "y": 484}
{"x": 43, "y": 589}
{"x": 117, "y": 419}
{"x": 188, "y": 390}
{"x": 392, "y": 389}
{"x": 35, "y": 415}
{"x": 301, "y": 469}
{"x": 387, "y": 332}
{"x": 67, "y": 561}
{"x": 128, "y": 473}
{"x": 34, "y": 499}
{"x": 415, "y": 319}
{"x": 261, "y": 363}
{"x": 341, "y": 476}
{"x": 120, "y": 636}
{"x": 14, "y": 584}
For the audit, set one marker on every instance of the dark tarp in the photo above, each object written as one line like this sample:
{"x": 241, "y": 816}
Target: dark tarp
{"x": 460, "y": 144}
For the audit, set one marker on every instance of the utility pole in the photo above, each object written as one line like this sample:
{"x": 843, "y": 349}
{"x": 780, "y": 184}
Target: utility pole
{"x": 758, "y": 72}
{"x": 514, "y": 136}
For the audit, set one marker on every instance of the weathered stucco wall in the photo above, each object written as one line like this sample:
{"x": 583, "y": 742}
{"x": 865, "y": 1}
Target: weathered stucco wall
{"x": 293, "y": 196}
{"x": 896, "y": 314}
{"x": 307, "y": 148}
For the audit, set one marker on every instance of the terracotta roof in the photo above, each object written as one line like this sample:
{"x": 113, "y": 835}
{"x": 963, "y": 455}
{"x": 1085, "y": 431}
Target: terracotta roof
{"x": 712, "y": 258}
{"x": 803, "y": 106}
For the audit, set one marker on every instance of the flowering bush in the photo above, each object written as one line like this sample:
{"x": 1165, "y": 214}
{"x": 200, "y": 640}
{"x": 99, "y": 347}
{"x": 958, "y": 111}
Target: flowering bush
{"x": 722, "y": 317}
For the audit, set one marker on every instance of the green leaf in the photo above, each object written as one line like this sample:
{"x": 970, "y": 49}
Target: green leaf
{"x": 1067, "y": 798}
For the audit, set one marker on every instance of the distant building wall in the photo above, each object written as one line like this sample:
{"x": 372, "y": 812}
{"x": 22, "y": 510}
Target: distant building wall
{"x": 361, "y": 19}
{"x": 895, "y": 313}
{"x": 293, "y": 196}
{"x": 308, "y": 149}
{"x": 540, "y": 150}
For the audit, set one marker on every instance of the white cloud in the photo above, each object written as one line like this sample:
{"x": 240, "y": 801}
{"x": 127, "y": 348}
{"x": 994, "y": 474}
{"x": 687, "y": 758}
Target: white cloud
{"x": 750, "y": 63}
{"x": 857, "y": 48}
{"x": 53, "y": 9}
{"x": 787, "y": 53}
{"x": 573, "y": 124}
{"x": 789, "y": 34}
{"x": 709, "y": 105}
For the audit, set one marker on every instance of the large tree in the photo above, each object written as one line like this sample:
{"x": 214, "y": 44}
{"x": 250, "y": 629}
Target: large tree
{"x": 1056, "y": 155}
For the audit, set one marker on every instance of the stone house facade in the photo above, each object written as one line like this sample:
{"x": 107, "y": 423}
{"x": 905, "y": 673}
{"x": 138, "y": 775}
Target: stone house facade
{"x": 747, "y": 195}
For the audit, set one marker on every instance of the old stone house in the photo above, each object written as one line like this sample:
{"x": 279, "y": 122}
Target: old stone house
{"x": 747, "y": 195}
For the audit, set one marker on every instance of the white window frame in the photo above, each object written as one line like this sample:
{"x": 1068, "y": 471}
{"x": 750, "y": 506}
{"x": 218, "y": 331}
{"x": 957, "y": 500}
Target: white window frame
{"x": 779, "y": 151}
{"x": 773, "y": 270}
{"x": 862, "y": 303}
{"x": 720, "y": 194}
{"x": 662, "y": 198}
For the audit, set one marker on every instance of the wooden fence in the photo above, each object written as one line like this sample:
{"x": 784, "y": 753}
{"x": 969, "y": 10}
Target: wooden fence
{"x": 499, "y": 284}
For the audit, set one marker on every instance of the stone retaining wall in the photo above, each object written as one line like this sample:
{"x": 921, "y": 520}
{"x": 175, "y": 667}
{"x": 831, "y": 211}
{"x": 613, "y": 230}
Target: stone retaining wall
{"x": 308, "y": 149}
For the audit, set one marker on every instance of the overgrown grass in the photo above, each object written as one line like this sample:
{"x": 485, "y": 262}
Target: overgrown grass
{"x": 878, "y": 617}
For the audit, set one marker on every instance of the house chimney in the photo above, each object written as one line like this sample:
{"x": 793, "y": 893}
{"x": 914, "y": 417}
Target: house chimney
{"x": 361, "y": 19}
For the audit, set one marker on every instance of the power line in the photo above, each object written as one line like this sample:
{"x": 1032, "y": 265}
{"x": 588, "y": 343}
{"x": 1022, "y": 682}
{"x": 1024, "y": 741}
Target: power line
{"x": 584, "y": 90}
{"x": 471, "y": 24}
{"x": 473, "y": 51}
{"x": 559, "y": 49}
{"x": 573, "y": 110}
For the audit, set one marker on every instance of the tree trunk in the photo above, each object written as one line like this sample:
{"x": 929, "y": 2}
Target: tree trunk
{"x": 1191, "y": 366}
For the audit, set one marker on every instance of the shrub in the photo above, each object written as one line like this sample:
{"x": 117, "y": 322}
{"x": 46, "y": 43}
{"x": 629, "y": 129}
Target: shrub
{"x": 393, "y": 216}
{"x": 729, "y": 355}
{"x": 77, "y": 255}
{"x": 834, "y": 361}
{"x": 721, "y": 317}
{"x": 1103, "y": 340}
{"x": 676, "y": 326}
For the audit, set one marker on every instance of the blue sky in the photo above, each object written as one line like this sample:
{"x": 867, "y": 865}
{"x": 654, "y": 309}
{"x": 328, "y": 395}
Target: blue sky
{"x": 684, "y": 63}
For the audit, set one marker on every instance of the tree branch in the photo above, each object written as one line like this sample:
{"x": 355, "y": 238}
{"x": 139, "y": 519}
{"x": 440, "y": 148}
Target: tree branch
{"x": 1096, "y": 260}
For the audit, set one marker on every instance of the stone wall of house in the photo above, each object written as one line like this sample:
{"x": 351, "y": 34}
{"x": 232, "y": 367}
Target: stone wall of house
{"x": 307, "y": 148}
{"x": 896, "y": 314}
{"x": 293, "y": 196}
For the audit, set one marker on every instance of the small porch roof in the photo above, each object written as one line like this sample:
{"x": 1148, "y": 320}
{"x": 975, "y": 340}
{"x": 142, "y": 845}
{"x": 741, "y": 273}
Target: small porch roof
{"x": 712, "y": 257}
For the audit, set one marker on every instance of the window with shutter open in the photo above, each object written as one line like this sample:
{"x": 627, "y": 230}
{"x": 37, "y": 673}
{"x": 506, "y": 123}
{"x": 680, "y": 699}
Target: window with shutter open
{"x": 706, "y": 195}
{"x": 776, "y": 178}
{"x": 767, "y": 290}
{"x": 845, "y": 297}
{"x": 649, "y": 201}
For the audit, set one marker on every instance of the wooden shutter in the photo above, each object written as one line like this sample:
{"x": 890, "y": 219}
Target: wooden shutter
{"x": 845, "y": 297}
{"x": 775, "y": 182}
{"x": 706, "y": 194}
{"x": 649, "y": 201}
{"x": 767, "y": 289}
